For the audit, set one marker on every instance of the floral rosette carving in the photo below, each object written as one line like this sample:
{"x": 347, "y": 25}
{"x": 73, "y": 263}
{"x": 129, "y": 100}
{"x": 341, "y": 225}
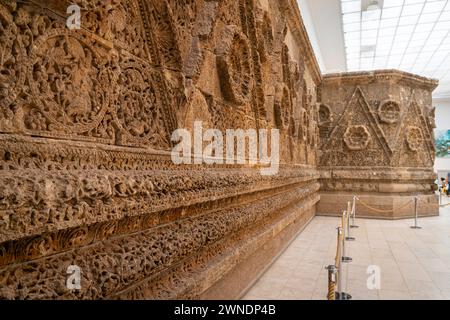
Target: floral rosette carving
{"x": 357, "y": 137}
{"x": 324, "y": 114}
{"x": 389, "y": 112}
{"x": 234, "y": 65}
{"x": 414, "y": 138}
{"x": 69, "y": 84}
{"x": 138, "y": 106}
{"x": 325, "y": 119}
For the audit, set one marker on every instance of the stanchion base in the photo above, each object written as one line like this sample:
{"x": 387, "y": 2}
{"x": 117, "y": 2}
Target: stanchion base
{"x": 350, "y": 239}
{"x": 416, "y": 227}
{"x": 342, "y": 296}
{"x": 354, "y": 227}
{"x": 347, "y": 259}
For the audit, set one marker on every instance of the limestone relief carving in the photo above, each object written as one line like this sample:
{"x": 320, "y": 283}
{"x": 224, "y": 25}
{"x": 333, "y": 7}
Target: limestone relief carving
{"x": 118, "y": 21}
{"x": 325, "y": 115}
{"x": 151, "y": 250}
{"x": 432, "y": 118}
{"x": 206, "y": 19}
{"x": 137, "y": 105}
{"x": 184, "y": 14}
{"x": 313, "y": 127}
{"x": 68, "y": 83}
{"x": 291, "y": 71}
{"x": 226, "y": 116}
{"x": 357, "y": 137}
{"x": 389, "y": 112}
{"x": 86, "y": 118}
{"x": 266, "y": 31}
{"x": 414, "y": 138}
{"x": 109, "y": 96}
{"x": 234, "y": 65}
{"x": 303, "y": 132}
{"x": 164, "y": 35}
{"x": 357, "y": 112}
{"x": 52, "y": 200}
{"x": 390, "y": 128}
{"x": 325, "y": 121}
{"x": 12, "y": 71}
{"x": 283, "y": 108}
{"x": 72, "y": 76}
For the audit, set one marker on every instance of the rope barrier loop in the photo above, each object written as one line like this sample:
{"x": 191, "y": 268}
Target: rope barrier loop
{"x": 384, "y": 211}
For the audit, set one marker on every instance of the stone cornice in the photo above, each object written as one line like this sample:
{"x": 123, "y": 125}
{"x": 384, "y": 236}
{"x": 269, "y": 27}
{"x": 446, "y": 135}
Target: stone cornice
{"x": 390, "y": 75}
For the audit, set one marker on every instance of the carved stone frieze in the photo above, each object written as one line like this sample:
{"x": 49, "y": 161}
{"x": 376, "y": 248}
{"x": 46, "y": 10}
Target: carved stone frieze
{"x": 86, "y": 119}
{"x": 136, "y": 257}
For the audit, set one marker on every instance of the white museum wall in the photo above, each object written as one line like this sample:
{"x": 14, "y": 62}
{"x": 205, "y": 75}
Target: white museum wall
{"x": 323, "y": 22}
{"x": 442, "y": 123}
{"x": 311, "y": 30}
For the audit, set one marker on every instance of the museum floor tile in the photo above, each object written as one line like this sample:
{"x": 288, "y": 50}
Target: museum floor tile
{"x": 414, "y": 264}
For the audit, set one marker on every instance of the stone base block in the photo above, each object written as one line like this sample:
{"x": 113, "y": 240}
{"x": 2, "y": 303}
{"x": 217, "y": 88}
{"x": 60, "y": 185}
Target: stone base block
{"x": 266, "y": 247}
{"x": 381, "y": 206}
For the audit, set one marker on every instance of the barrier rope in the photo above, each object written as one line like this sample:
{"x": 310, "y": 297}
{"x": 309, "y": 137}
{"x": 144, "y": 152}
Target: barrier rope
{"x": 337, "y": 261}
{"x": 336, "y": 270}
{"x": 383, "y": 211}
{"x": 331, "y": 290}
{"x": 331, "y": 283}
{"x": 333, "y": 270}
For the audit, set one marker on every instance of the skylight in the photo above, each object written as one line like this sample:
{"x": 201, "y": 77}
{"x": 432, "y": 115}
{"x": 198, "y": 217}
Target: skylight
{"x": 409, "y": 35}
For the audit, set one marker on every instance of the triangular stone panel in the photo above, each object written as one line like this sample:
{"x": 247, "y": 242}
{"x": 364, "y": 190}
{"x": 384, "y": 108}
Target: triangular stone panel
{"x": 356, "y": 135}
{"x": 415, "y": 145}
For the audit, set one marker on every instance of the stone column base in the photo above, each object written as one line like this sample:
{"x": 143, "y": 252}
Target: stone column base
{"x": 387, "y": 206}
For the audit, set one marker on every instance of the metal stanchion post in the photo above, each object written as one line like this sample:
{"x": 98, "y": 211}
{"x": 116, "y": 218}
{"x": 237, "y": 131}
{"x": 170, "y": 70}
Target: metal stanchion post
{"x": 344, "y": 257}
{"x": 340, "y": 294}
{"x": 332, "y": 271}
{"x": 353, "y": 225}
{"x": 349, "y": 213}
{"x": 416, "y": 213}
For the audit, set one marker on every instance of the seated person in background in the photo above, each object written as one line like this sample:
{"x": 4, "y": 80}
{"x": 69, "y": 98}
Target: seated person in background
{"x": 442, "y": 186}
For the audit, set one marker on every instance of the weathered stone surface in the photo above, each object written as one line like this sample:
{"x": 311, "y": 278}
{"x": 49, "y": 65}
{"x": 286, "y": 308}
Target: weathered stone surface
{"x": 377, "y": 142}
{"x": 86, "y": 118}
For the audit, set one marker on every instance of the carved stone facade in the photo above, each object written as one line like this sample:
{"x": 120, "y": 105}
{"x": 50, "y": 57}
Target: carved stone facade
{"x": 86, "y": 118}
{"x": 377, "y": 142}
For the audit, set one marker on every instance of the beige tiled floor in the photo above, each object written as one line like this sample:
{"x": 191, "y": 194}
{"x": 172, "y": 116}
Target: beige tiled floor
{"x": 445, "y": 200}
{"x": 415, "y": 264}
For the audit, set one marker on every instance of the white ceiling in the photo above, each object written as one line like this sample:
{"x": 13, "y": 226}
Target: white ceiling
{"x": 323, "y": 22}
{"x": 410, "y": 35}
